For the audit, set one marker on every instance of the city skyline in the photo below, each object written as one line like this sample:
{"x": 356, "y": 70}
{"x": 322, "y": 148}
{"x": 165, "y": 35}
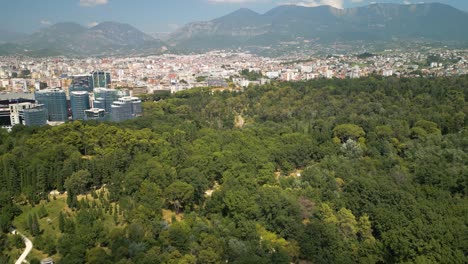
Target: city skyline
{"x": 28, "y": 16}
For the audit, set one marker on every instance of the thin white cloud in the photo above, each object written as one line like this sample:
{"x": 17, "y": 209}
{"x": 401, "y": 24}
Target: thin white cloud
{"x": 237, "y": 1}
{"x": 45, "y": 22}
{"x": 92, "y": 24}
{"x": 313, "y": 3}
{"x": 309, "y": 3}
{"x": 91, "y": 3}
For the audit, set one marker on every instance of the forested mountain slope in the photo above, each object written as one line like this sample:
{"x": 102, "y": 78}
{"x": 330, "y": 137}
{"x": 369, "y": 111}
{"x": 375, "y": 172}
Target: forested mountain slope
{"x": 326, "y": 24}
{"x": 327, "y": 171}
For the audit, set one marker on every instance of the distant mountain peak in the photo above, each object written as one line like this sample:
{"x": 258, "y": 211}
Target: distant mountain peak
{"x": 239, "y": 14}
{"x": 434, "y": 4}
{"x": 244, "y": 11}
{"x": 283, "y": 8}
{"x": 376, "y": 22}
{"x": 104, "y": 38}
{"x": 66, "y": 24}
{"x": 70, "y": 27}
{"x": 119, "y": 33}
{"x": 111, "y": 24}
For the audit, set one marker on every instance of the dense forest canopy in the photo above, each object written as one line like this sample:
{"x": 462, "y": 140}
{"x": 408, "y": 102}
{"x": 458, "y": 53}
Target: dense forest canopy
{"x": 327, "y": 171}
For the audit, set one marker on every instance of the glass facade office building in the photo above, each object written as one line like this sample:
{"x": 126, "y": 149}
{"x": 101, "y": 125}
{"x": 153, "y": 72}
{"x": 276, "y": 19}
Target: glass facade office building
{"x": 35, "y": 116}
{"x": 99, "y": 104}
{"x": 55, "y": 101}
{"x": 104, "y": 98}
{"x": 101, "y": 79}
{"x": 137, "y": 107}
{"x": 121, "y": 110}
{"x": 126, "y": 108}
{"x": 95, "y": 114}
{"x": 83, "y": 83}
{"x": 4, "y": 116}
{"x": 87, "y": 82}
{"x": 79, "y": 103}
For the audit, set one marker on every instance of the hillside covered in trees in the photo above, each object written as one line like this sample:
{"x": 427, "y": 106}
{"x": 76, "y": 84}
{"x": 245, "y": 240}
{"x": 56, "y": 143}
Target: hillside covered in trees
{"x": 327, "y": 171}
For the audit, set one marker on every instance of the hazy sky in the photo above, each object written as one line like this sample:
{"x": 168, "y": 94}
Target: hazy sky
{"x": 149, "y": 15}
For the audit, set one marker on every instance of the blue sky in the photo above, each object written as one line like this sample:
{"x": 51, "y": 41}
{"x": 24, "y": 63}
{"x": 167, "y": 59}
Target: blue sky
{"x": 149, "y": 15}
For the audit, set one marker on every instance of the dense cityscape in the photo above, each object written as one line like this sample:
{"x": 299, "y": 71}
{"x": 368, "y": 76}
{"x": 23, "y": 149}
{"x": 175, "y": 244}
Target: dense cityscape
{"x": 36, "y": 90}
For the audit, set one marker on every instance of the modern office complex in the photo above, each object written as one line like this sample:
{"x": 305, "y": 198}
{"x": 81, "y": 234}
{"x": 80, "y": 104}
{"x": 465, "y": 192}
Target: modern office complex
{"x": 10, "y": 110}
{"x": 21, "y": 111}
{"x": 5, "y": 116}
{"x": 95, "y": 114}
{"x": 87, "y": 82}
{"x": 99, "y": 104}
{"x": 137, "y": 107}
{"x": 35, "y": 116}
{"x": 125, "y": 108}
{"x": 55, "y": 101}
{"x": 103, "y": 98}
{"x": 79, "y": 103}
{"x": 101, "y": 79}
{"x": 121, "y": 110}
{"x": 82, "y": 83}
{"x": 16, "y": 112}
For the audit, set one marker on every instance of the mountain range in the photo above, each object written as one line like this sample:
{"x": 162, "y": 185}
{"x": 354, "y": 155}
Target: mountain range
{"x": 375, "y": 22}
{"x": 106, "y": 38}
{"x": 244, "y": 27}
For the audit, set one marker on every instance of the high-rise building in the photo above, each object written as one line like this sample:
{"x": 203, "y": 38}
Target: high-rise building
{"x": 5, "y": 116}
{"x": 103, "y": 98}
{"x": 35, "y": 116}
{"x": 125, "y": 108}
{"x": 95, "y": 114}
{"x": 16, "y": 112}
{"x": 137, "y": 109}
{"x": 21, "y": 111}
{"x": 121, "y": 110}
{"x": 38, "y": 85}
{"x": 99, "y": 104}
{"x": 55, "y": 101}
{"x": 82, "y": 83}
{"x": 79, "y": 103}
{"x": 101, "y": 79}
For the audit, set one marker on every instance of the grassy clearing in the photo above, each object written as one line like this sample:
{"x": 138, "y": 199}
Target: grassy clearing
{"x": 168, "y": 214}
{"x": 37, "y": 254}
{"x": 296, "y": 173}
{"x": 108, "y": 222}
{"x": 49, "y": 225}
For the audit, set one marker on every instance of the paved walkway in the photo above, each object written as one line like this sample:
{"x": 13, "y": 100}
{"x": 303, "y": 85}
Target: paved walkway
{"x": 29, "y": 246}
